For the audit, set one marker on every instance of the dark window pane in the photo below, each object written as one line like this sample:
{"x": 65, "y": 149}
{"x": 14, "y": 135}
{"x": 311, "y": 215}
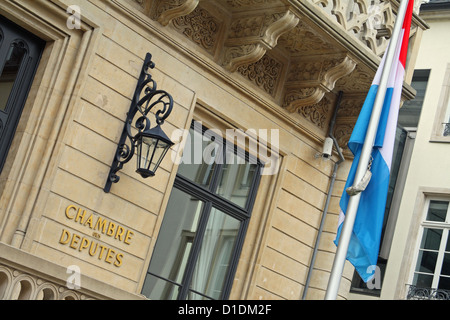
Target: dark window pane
{"x": 158, "y": 289}
{"x": 236, "y": 179}
{"x": 446, "y": 265}
{"x": 437, "y": 211}
{"x": 215, "y": 254}
{"x": 199, "y": 158}
{"x": 177, "y": 234}
{"x": 444, "y": 283}
{"x": 10, "y": 70}
{"x": 426, "y": 261}
{"x": 409, "y": 113}
{"x": 423, "y": 280}
{"x": 447, "y": 247}
{"x": 431, "y": 239}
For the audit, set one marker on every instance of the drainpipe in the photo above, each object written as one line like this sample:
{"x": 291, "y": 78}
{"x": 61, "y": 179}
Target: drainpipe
{"x": 330, "y": 189}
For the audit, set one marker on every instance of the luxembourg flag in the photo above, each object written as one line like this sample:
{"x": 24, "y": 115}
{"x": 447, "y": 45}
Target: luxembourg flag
{"x": 364, "y": 244}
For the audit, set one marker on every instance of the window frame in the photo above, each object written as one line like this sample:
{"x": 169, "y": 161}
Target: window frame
{"x": 443, "y": 111}
{"x": 22, "y": 83}
{"x": 211, "y": 200}
{"x": 426, "y": 224}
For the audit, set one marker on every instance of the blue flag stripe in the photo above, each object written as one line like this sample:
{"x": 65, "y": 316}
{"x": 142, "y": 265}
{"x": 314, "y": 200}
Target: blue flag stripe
{"x": 364, "y": 244}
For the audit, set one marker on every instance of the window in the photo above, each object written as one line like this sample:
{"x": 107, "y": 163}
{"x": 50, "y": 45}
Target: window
{"x": 442, "y": 122}
{"x": 201, "y": 236}
{"x": 432, "y": 269}
{"x": 409, "y": 113}
{"x": 20, "y": 53}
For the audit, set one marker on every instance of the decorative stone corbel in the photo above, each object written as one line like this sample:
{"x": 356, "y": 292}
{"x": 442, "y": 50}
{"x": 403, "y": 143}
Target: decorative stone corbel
{"x": 251, "y": 37}
{"x": 310, "y": 80}
{"x": 244, "y": 54}
{"x": 167, "y": 10}
{"x": 297, "y": 98}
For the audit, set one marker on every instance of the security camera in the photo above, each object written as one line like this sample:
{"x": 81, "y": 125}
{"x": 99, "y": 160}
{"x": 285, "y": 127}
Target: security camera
{"x": 327, "y": 148}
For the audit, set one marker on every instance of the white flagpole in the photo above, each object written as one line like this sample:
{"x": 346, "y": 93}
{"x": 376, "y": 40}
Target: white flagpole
{"x": 353, "y": 203}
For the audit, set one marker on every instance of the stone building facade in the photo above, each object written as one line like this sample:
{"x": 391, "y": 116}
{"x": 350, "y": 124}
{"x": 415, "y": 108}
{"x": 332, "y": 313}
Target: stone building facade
{"x": 285, "y": 75}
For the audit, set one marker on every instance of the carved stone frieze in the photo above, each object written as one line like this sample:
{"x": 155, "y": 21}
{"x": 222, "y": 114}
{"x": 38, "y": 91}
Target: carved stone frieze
{"x": 303, "y": 40}
{"x": 265, "y": 73}
{"x": 359, "y": 81}
{"x": 200, "y": 27}
{"x": 286, "y": 51}
{"x": 248, "y": 3}
{"x": 342, "y": 133}
{"x": 350, "y": 106}
{"x": 347, "y": 114}
{"x": 317, "y": 113}
{"x": 250, "y": 26}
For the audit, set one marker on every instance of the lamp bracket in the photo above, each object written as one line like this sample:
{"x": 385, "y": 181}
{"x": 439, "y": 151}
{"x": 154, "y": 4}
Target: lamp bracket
{"x": 146, "y": 97}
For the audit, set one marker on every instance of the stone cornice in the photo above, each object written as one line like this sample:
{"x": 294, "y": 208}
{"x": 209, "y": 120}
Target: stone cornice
{"x": 266, "y": 46}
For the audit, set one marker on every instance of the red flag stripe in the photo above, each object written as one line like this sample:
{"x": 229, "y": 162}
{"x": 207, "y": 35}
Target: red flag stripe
{"x": 407, "y": 31}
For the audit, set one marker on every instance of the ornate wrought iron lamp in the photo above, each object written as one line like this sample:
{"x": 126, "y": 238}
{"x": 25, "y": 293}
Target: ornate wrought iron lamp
{"x": 150, "y": 144}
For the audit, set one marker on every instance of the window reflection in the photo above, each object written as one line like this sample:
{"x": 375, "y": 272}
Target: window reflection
{"x": 200, "y": 239}
{"x": 215, "y": 254}
{"x": 193, "y": 166}
{"x": 174, "y": 244}
{"x": 237, "y": 177}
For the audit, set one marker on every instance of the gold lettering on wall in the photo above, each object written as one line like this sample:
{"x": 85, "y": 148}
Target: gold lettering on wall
{"x": 99, "y": 227}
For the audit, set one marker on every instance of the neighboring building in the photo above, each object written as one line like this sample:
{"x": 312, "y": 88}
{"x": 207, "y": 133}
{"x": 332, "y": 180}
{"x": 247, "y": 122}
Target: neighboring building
{"x": 416, "y": 247}
{"x": 264, "y": 75}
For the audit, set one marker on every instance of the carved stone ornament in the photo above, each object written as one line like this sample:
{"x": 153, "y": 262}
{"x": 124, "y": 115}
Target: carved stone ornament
{"x": 200, "y": 27}
{"x": 285, "y": 49}
{"x": 303, "y": 40}
{"x": 347, "y": 115}
{"x": 251, "y": 37}
{"x": 264, "y": 73}
{"x": 248, "y": 3}
{"x": 316, "y": 113}
{"x": 165, "y": 11}
{"x": 370, "y": 21}
{"x": 342, "y": 133}
{"x": 309, "y": 81}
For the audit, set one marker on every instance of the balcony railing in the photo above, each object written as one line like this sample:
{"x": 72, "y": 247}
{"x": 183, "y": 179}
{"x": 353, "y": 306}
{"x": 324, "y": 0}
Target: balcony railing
{"x": 418, "y": 293}
{"x": 371, "y": 22}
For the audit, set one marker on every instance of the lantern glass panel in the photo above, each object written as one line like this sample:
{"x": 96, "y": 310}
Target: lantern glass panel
{"x": 159, "y": 152}
{"x": 151, "y": 151}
